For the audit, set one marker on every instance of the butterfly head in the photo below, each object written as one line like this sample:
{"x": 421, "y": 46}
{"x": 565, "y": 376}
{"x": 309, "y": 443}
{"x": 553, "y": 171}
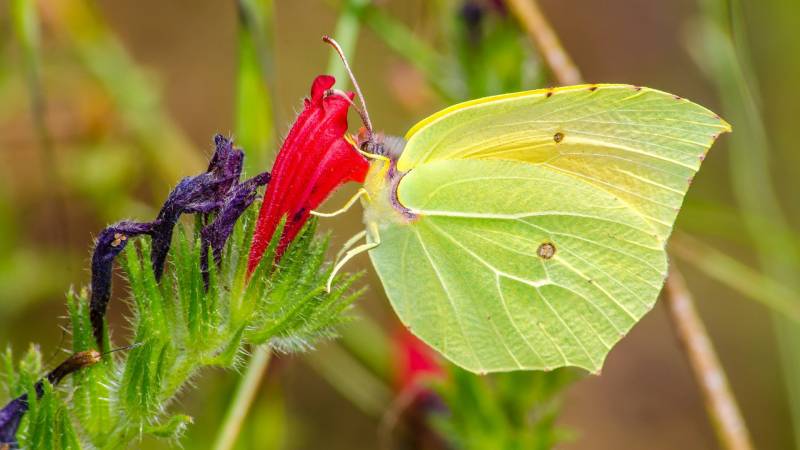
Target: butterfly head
{"x": 380, "y": 144}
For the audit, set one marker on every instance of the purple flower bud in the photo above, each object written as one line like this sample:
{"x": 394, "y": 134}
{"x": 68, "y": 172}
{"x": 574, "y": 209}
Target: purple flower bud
{"x": 204, "y": 193}
{"x": 10, "y": 416}
{"x": 226, "y": 163}
{"x": 215, "y": 190}
{"x": 216, "y": 234}
{"x": 108, "y": 245}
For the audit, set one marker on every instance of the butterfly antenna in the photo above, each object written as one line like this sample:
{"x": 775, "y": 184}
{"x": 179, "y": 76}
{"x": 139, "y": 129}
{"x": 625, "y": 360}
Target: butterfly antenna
{"x": 363, "y": 112}
{"x": 120, "y": 349}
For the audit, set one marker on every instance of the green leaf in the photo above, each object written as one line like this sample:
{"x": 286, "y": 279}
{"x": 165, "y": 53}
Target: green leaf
{"x": 172, "y": 428}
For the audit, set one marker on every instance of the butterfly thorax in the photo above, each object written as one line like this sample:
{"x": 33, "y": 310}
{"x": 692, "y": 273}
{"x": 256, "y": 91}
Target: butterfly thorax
{"x": 382, "y": 181}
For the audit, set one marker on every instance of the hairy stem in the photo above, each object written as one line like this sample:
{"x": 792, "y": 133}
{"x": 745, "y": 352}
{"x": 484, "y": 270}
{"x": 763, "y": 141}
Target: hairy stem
{"x": 245, "y": 394}
{"x": 546, "y": 40}
{"x": 720, "y": 403}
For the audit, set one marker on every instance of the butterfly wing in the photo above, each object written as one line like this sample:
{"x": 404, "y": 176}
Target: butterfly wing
{"x": 541, "y": 220}
{"x": 639, "y": 144}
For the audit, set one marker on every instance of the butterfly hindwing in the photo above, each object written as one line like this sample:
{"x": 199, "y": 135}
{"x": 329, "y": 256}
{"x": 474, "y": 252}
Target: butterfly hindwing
{"x": 512, "y": 266}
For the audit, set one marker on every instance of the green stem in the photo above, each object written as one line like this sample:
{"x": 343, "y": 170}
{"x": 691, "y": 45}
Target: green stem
{"x": 245, "y": 394}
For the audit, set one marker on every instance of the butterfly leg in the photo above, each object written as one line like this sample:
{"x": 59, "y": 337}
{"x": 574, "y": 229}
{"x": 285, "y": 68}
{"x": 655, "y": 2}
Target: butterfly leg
{"x": 347, "y": 206}
{"x": 350, "y": 243}
{"x": 373, "y": 240}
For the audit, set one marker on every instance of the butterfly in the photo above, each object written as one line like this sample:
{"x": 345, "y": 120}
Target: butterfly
{"x": 528, "y": 230}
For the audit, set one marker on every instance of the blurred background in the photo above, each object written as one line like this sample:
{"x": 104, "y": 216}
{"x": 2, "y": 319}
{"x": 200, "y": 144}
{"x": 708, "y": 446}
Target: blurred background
{"x": 105, "y": 105}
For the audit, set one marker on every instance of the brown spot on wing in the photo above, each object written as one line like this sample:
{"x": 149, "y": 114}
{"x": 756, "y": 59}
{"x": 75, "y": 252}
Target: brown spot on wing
{"x": 546, "y": 250}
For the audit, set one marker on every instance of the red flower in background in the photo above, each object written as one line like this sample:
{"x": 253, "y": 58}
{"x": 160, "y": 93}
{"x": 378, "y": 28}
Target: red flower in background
{"x": 414, "y": 361}
{"x": 314, "y": 160}
{"x": 415, "y": 367}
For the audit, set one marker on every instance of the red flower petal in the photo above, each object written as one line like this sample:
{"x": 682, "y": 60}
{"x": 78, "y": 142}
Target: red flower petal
{"x": 313, "y": 161}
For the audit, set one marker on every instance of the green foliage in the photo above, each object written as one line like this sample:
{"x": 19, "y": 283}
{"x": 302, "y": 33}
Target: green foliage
{"x": 254, "y": 130}
{"x": 47, "y": 424}
{"x": 494, "y": 41}
{"x": 178, "y": 328}
{"x": 475, "y": 60}
{"x": 509, "y": 411}
{"x": 17, "y": 377}
{"x": 129, "y": 87}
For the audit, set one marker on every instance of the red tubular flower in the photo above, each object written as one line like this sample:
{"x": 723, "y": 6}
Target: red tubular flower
{"x": 314, "y": 160}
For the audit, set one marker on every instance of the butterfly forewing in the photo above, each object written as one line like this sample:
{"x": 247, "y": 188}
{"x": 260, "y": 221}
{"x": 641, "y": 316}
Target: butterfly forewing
{"x": 642, "y": 145}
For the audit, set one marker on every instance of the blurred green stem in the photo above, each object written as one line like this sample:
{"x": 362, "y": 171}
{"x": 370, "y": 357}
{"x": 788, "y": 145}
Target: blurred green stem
{"x": 351, "y": 379}
{"x": 708, "y": 372}
{"x": 734, "y": 274}
{"x": 129, "y": 86}
{"x": 243, "y": 398}
{"x": 255, "y": 130}
{"x": 546, "y": 40}
{"x": 26, "y": 27}
{"x": 409, "y": 46}
{"x": 346, "y": 34}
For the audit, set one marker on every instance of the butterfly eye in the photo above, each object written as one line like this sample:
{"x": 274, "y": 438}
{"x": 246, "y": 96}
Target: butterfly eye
{"x": 546, "y": 250}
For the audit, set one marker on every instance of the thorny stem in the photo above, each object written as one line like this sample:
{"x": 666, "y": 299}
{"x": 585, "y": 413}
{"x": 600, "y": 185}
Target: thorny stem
{"x": 720, "y": 403}
{"x": 243, "y": 398}
{"x": 546, "y": 40}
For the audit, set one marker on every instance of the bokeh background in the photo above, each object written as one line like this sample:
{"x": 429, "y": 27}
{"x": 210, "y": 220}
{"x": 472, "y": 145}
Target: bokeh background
{"x": 112, "y": 102}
